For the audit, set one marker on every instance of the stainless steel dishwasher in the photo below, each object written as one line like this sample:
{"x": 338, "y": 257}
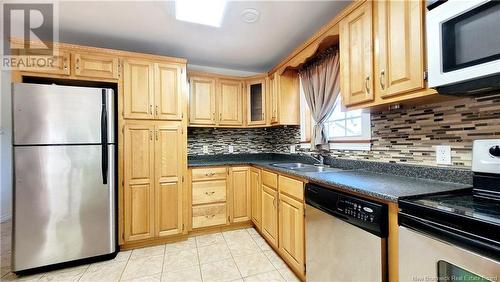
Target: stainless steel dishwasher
{"x": 345, "y": 237}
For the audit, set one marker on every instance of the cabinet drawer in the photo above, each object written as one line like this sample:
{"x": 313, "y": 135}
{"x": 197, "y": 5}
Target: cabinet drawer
{"x": 205, "y": 192}
{"x": 291, "y": 187}
{"x": 209, "y": 173}
{"x": 209, "y": 215}
{"x": 269, "y": 179}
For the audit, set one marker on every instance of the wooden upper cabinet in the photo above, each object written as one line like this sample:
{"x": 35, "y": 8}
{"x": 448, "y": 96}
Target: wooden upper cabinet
{"x": 273, "y": 98}
{"x": 138, "y": 181}
{"x": 58, "y": 64}
{"x": 356, "y": 59}
{"x": 256, "y": 196}
{"x": 399, "y": 53}
{"x": 92, "y": 65}
{"x": 202, "y": 101}
{"x": 291, "y": 231}
{"x": 256, "y": 102}
{"x": 240, "y": 192}
{"x": 230, "y": 102}
{"x": 138, "y": 89}
{"x": 168, "y": 183}
{"x": 168, "y": 91}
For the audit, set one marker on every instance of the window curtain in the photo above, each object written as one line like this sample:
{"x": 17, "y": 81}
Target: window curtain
{"x": 321, "y": 85}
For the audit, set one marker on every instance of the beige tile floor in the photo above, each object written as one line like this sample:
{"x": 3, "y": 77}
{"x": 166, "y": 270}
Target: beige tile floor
{"x": 239, "y": 255}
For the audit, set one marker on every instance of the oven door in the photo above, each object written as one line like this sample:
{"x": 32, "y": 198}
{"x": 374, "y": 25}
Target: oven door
{"x": 463, "y": 41}
{"x": 424, "y": 258}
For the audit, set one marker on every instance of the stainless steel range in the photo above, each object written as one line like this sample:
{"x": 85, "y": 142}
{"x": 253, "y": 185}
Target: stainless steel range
{"x": 455, "y": 236}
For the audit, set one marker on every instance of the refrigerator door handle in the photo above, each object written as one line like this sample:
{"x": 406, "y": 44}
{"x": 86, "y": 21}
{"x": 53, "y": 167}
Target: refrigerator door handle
{"x": 104, "y": 139}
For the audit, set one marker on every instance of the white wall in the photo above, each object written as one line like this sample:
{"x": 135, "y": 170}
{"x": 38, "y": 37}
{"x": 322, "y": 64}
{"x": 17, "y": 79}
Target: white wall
{"x": 5, "y": 147}
{"x": 222, "y": 71}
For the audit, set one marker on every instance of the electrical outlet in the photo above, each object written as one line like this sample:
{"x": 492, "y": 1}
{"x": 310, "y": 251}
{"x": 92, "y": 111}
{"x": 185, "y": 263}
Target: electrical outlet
{"x": 205, "y": 149}
{"x": 292, "y": 149}
{"x": 443, "y": 155}
{"x": 231, "y": 148}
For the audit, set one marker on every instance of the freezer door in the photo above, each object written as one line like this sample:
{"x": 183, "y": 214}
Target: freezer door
{"x": 62, "y": 209}
{"x": 51, "y": 114}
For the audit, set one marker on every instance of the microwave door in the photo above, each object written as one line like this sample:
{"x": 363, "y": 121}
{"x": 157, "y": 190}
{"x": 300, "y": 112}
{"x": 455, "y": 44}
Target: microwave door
{"x": 463, "y": 42}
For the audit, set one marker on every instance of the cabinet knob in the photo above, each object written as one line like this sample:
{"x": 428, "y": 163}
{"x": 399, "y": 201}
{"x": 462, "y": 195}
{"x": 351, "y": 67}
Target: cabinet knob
{"x": 77, "y": 64}
{"x": 156, "y": 109}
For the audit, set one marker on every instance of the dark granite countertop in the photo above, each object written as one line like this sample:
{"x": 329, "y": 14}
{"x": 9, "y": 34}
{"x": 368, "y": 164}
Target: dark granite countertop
{"x": 387, "y": 187}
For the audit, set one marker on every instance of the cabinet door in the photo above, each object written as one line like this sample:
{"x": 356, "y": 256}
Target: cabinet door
{"x": 91, "y": 65}
{"x": 138, "y": 89}
{"x": 240, "y": 194}
{"x": 399, "y": 57}
{"x": 256, "y": 193}
{"x": 139, "y": 183}
{"x": 273, "y": 97}
{"x": 291, "y": 231}
{"x": 270, "y": 215}
{"x": 356, "y": 62}
{"x": 168, "y": 92}
{"x": 202, "y": 101}
{"x": 230, "y": 102}
{"x": 57, "y": 64}
{"x": 168, "y": 178}
{"x": 256, "y": 99}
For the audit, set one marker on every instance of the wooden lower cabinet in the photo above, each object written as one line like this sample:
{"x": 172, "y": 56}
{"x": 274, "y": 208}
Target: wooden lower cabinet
{"x": 291, "y": 231}
{"x": 269, "y": 227}
{"x": 209, "y": 197}
{"x": 274, "y": 203}
{"x": 209, "y": 215}
{"x": 256, "y": 197}
{"x": 241, "y": 207}
{"x": 153, "y": 169}
{"x": 139, "y": 181}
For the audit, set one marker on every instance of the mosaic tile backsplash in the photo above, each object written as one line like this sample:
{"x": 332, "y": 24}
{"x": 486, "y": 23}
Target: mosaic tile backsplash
{"x": 399, "y": 136}
{"x": 247, "y": 140}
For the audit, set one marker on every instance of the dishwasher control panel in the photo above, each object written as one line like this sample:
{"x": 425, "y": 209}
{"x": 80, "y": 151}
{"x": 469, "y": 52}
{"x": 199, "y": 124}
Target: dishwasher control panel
{"x": 366, "y": 214}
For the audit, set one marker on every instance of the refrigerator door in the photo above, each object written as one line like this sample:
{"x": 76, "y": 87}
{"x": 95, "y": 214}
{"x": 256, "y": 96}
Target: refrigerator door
{"x": 52, "y": 114}
{"x": 62, "y": 209}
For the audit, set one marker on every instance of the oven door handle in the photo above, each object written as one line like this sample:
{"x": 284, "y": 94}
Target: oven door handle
{"x": 479, "y": 244}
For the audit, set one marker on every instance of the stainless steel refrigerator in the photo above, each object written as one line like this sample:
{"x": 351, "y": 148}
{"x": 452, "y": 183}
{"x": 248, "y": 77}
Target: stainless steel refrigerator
{"x": 64, "y": 174}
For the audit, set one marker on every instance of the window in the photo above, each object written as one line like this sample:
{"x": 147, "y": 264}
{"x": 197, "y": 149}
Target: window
{"x": 348, "y": 125}
{"x": 347, "y": 130}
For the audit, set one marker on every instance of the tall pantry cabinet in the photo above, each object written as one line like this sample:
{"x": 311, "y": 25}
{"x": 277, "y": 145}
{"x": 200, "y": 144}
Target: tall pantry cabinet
{"x": 154, "y": 149}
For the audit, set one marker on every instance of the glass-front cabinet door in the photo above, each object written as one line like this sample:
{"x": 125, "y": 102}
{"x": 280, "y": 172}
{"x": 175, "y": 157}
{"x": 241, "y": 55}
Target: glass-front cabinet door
{"x": 256, "y": 100}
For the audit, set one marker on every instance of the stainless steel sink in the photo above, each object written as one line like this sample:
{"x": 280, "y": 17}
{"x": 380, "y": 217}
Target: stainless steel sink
{"x": 305, "y": 167}
{"x": 292, "y": 165}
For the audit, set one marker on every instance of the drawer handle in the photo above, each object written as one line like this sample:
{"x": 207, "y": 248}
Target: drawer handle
{"x": 210, "y": 174}
{"x": 210, "y": 216}
{"x": 209, "y": 193}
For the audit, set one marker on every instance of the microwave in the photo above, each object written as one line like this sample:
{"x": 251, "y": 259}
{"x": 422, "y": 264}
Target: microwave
{"x": 463, "y": 46}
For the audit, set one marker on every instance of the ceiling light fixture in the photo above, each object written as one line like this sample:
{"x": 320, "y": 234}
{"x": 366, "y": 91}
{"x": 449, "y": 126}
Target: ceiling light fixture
{"x": 200, "y": 11}
{"x": 250, "y": 15}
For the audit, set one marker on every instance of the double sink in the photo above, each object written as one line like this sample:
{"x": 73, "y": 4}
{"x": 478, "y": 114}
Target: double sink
{"x": 301, "y": 167}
